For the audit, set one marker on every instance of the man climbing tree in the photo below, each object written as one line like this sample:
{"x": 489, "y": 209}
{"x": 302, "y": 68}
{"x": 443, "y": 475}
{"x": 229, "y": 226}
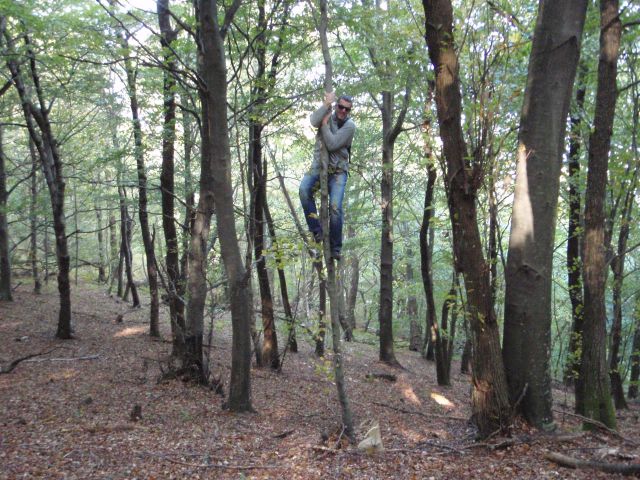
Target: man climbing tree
{"x": 337, "y": 132}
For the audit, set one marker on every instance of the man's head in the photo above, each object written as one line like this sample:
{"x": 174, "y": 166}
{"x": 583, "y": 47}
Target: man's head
{"x": 343, "y": 107}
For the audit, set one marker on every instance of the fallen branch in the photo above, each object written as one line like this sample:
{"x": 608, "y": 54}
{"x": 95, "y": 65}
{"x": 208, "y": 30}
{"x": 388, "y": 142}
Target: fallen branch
{"x": 65, "y": 359}
{"x": 385, "y": 376}
{"x": 426, "y": 415}
{"x": 528, "y": 440}
{"x": 212, "y": 465}
{"x": 570, "y": 462}
{"x": 598, "y": 424}
{"x": 15, "y": 363}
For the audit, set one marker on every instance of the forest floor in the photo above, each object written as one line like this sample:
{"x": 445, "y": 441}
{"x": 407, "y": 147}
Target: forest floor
{"x": 68, "y": 413}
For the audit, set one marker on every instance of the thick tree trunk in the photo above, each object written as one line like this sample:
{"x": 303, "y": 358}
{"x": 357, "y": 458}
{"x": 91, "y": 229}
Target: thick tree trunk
{"x": 574, "y": 237}
{"x": 527, "y": 332}
{"x": 490, "y": 399}
{"x": 5, "y": 261}
{"x": 595, "y": 394}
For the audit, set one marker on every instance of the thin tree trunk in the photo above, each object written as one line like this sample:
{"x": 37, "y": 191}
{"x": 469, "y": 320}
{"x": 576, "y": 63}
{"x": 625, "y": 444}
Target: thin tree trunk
{"x": 102, "y": 278}
{"x": 113, "y": 251}
{"x": 317, "y": 264}
{"x": 634, "y": 376}
{"x": 574, "y": 237}
{"x": 617, "y": 267}
{"x": 216, "y": 181}
{"x": 553, "y": 63}
{"x": 33, "y": 219}
{"x": 426, "y": 250}
{"x": 595, "y": 395}
{"x": 39, "y": 126}
{"x": 282, "y": 279}
{"x": 338, "y": 366}
{"x": 175, "y": 285}
{"x": 354, "y": 280}
{"x": 125, "y": 249}
{"x": 5, "y": 260}
{"x": 143, "y": 214}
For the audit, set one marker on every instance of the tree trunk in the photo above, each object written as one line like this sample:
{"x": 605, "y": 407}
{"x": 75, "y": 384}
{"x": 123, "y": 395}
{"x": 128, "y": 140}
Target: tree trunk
{"x": 527, "y": 332}
{"x": 338, "y": 367}
{"x": 490, "y": 399}
{"x": 385, "y": 311}
{"x": 40, "y": 131}
{"x": 5, "y": 260}
{"x": 595, "y": 394}
{"x": 125, "y": 248}
{"x": 634, "y": 376}
{"x": 143, "y": 214}
{"x": 426, "y": 251}
{"x": 33, "y": 220}
{"x": 282, "y": 280}
{"x": 259, "y": 194}
{"x": 217, "y": 181}
{"x": 354, "y": 280}
{"x": 617, "y": 267}
{"x": 574, "y": 237}
{"x": 317, "y": 265}
{"x": 175, "y": 284}
{"x": 102, "y": 277}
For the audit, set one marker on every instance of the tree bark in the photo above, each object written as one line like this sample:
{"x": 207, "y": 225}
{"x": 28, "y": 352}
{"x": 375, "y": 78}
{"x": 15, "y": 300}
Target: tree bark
{"x": 338, "y": 366}
{"x": 126, "y": 227}
{"x": 216, "y": 180}
{"x": 40, "y": 131}
{"x": 595, "y": 394}
{"x": 634, "y": 375}
{"x": 490, "y": 400}
{"x": 5, "y": 259}
{"x": 426, "y": 251}
{"x": 527, "y": 332}
{"x": 143, "y": 214}
{"x": 33, "y": 220}
{"x": 175, "y": 282}
{"x": 574, "y": 237}
{"x": 259, "y": 193}
{"x": 354, "y": 280}
{"x": 282, "y": 280}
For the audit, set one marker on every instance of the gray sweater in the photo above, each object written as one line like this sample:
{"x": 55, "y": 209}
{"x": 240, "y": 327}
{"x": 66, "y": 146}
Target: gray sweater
{"x": 336, "y": 139}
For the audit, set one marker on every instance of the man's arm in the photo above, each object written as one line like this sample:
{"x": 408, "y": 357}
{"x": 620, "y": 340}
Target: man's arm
{"x": 324, "y": 111}
{"x": 342, "y": 138}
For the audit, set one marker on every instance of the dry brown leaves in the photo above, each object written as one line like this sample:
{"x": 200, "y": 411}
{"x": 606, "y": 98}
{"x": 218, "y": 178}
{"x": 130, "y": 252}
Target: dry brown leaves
{"x": 70, "y": 413}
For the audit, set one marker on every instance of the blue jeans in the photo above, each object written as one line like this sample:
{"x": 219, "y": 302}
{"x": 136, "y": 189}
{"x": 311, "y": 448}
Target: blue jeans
{"x": 337, "y": 184}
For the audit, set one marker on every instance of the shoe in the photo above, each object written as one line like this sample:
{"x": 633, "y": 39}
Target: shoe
{"x": 336, "y": 256}
{"x": 317, "y": 237}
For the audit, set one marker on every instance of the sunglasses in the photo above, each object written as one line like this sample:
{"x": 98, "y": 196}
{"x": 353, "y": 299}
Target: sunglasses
{"x": 342, "y": 107}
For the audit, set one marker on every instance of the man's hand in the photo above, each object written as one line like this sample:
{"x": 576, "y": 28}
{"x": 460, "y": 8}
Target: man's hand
{"x": 329, "y": 98}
